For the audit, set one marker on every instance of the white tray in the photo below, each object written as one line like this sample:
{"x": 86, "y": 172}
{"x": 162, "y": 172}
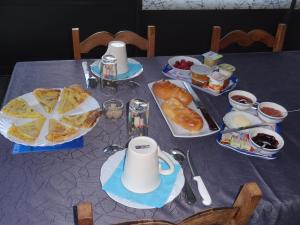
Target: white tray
{"x": 176, "y": 130}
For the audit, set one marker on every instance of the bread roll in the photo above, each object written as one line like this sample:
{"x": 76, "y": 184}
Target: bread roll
{"x": 166, "y": 90}
{"x": 182, "y": 115}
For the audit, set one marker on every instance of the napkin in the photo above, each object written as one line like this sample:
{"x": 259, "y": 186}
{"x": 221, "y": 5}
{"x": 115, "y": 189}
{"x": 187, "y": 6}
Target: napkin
{"x": 133, "y": 68}
{"x": 18, "y": 148}
{"x": 156, "y": 198}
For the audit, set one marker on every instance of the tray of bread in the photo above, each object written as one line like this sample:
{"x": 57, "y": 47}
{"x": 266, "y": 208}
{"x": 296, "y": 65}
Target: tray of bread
{"x": 184, "y": 119}
{"x": 49, "y": 116}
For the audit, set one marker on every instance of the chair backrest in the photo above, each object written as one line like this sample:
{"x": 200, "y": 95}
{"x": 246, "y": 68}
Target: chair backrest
{"x": 103, "y": 38}
{"x": 239, "y": 213}
{"x": 246, "y": 39}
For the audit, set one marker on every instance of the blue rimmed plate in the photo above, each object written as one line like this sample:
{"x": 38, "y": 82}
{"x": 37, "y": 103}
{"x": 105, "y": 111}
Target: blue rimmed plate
{"x": 135, "y": 68}
{"x": 245, "y": 136}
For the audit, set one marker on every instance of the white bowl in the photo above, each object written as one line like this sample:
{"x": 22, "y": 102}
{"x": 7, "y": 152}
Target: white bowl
{"x": 230, "y": 118}
{"x": 260, "y": 149}
{"x": 173, "y": 60}
{"x": 239, "y": 105}
{"x": 271, "y": 119}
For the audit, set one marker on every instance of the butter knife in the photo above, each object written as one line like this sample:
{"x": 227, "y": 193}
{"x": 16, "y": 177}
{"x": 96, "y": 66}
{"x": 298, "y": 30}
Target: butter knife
{"x": 91, "y": 81}
{"x": 211, "y": 123}
{"x": 244, "y": 128}
{"x": 206, "y": 199}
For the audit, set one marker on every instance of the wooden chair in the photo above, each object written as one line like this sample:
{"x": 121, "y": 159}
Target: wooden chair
{"x": 103, "y": 38}
{"x": 246, "y": 39}
{"x": 238, "y": 214}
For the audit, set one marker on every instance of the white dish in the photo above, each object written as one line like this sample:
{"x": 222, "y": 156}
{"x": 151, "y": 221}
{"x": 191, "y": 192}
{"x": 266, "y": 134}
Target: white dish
{"x": 6, "y": 121}
{"x": 173, "y": 60}
{"x": 229, "y": 120}
{"x": 266, "y": 151}
{"x": 271, "y": 119}
{"x": 239, "y": 105}
{"x": 126, "y": 76}
{"x": 111, "y": 164}
{"x": 176, "y": 130}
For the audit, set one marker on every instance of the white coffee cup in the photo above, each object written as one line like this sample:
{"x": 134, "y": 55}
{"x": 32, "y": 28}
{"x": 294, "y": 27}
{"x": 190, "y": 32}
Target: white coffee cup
{"x": 118, "y": 50}
{"x": 142, "y": 170}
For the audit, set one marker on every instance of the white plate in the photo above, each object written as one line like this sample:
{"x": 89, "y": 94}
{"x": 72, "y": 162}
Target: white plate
{"x": 95, "y": 70}
{"x": 228, "y": 119}
{"x": 6, "y": 121}
{"x": 111, "y": 164}
{"x": 176, "y": 130}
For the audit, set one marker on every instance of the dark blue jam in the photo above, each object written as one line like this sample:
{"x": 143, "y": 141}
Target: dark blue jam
{"x": 266, "y": 141}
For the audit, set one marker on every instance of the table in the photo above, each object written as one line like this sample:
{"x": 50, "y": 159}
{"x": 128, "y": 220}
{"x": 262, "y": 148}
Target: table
{"x": 42, "y": 188}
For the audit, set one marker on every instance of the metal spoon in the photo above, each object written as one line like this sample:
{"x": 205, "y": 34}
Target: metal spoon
{"x": 187, "y": 190}
{"x": 110, "y": 149}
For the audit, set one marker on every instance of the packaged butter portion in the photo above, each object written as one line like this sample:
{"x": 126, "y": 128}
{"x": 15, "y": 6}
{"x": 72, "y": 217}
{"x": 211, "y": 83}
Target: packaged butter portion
{"x": 211, "y": 58}
{"x": 226, "y": 69}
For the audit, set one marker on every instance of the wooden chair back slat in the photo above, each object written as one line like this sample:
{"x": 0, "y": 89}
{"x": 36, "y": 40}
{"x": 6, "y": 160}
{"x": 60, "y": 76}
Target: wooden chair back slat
{"x": 132, "y": 38}
{"x": 239, "y": 214}
{"x": 103, "y": 38}
{"x": 246, "y": 39}
{"x": 279, "y": 38}
{"x": 98, "y": 39}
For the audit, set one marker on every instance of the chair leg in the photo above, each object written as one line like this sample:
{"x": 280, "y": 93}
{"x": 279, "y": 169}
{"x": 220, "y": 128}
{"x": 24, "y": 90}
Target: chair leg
{"x": 215, "y": 39}
{"x": 85, "y": 213}
{"x": 76, "y": 43}
{"x": 246, "y": 201}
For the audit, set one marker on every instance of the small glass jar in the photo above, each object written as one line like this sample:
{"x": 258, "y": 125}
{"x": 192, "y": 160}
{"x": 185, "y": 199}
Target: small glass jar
{"x": 113, "y": 108}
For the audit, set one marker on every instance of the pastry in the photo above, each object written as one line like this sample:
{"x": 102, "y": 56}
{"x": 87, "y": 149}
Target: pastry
{"x": 84, "y": 120}
{"x": 72, "y": 97}
{"x": 182, "y": 115}
{"x": 47, "y": 98}
{"x": 166, "y": 90}
{"x": 59, "y": 132}
{"x": 19, "y": 108}
{"x": 27, "y": 132}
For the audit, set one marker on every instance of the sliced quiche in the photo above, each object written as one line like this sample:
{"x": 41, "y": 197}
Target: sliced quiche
{"x": 19, "y": 108}
{"x": 47, "y": 98}
{"x": 27, "y": 132}
{"x": 84, "y": 120}
{"x": 58, "y": 132}
{"x": 72, "y": 97}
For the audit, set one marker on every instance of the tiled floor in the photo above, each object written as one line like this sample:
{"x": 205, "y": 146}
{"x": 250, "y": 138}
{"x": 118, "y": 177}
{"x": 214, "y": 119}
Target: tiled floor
{"x": 4, "y": 80}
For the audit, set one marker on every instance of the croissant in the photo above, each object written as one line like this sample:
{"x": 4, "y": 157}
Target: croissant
{"x": 165, "y": 90}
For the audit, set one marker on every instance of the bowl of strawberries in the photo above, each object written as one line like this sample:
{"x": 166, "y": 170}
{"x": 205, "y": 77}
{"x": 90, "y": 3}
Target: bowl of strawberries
{"x": 183, "y": 63}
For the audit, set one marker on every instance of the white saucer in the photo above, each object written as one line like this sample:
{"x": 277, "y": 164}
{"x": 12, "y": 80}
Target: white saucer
{"x": 111, "y": 164}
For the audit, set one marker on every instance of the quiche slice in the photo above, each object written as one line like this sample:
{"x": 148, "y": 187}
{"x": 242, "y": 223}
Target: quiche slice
{"x": 27, "y": 132}
{"x": 19, "y": 108}
{"x": 47, "y": 98}
{"x": 84, "y": 120}
{"x": 72, "y": 97}
{"x": 59, "y": 132}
